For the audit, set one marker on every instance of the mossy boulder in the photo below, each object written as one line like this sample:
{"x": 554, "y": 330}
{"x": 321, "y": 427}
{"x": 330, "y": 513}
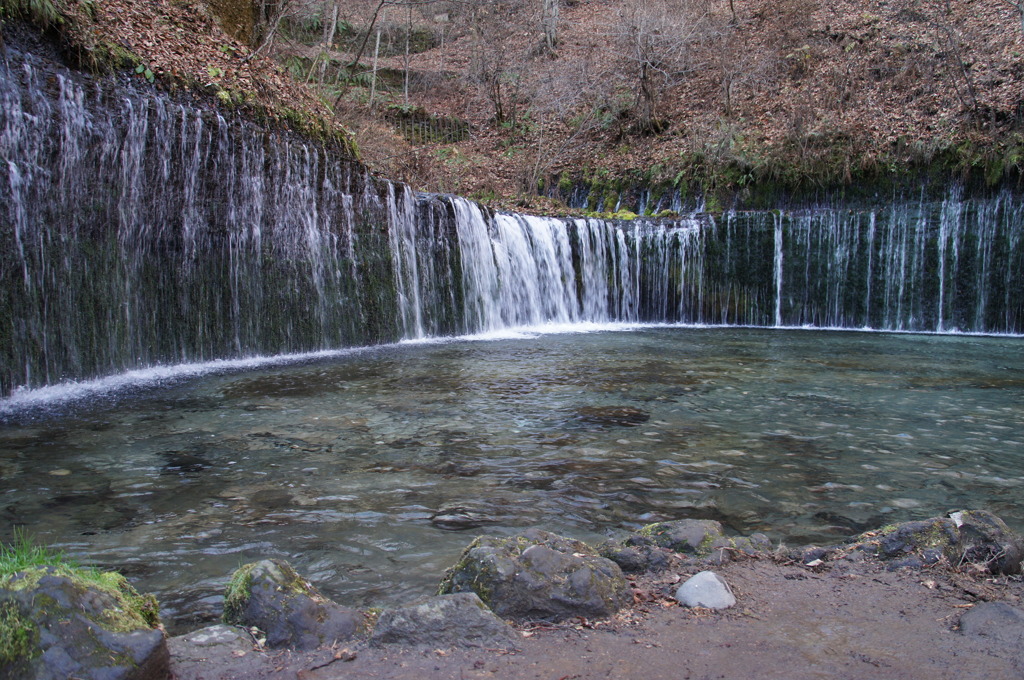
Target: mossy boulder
{"x": 62, "y": 622}
{"x": 922, "y": 541}
{"x": 688, "y": 536}
{"x": 537, "y": 575}
{"x": 271, "y": 596}
{"x": 985, "y": 539}
{"x": 974, "y": 537}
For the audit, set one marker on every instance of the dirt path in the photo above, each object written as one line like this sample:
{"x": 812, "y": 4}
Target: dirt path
{"x": 858, "y": 622}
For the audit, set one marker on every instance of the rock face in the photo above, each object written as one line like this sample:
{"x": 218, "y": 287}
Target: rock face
{"x": 706, "y": 589}
{"x": 271, "y": 596}
{"x": 538, "y": 575}
{"x": 456, "y": 620}
{"x": 56, "y": 622}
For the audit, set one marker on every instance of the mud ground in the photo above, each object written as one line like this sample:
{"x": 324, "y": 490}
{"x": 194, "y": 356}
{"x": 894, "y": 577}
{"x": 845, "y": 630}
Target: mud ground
{"x": 836, "y": 621}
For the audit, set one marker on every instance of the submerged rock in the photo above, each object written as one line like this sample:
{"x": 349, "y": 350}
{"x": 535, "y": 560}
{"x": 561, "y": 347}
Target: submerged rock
{"x": 271, "y": 596}
{"x": 59, "y": 622}
{"x": 538, "y": 575}
{"x": 455, "y": 620}
{"x": 457, "y": 517}
{"x": 706, "y": 589}
{"x": 622, "y": 416}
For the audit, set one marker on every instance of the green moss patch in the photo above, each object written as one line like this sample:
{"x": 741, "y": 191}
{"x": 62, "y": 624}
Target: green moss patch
{"x": 18, "y": 635}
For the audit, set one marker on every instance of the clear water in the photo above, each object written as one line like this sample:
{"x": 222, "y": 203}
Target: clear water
{"x": 361, "y": 468}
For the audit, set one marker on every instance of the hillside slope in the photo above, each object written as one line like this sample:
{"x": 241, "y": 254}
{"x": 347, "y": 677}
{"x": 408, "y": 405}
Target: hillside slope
{"x": 728, "y": 99}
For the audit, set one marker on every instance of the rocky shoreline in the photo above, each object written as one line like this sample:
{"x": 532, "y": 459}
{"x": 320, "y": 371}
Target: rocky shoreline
{"x": 505, "y": 596}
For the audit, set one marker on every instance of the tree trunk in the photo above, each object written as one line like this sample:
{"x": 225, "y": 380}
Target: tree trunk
{"x": 549, "y": 24}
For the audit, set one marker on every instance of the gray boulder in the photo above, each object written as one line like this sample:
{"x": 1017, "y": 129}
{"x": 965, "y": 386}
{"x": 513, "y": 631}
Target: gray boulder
{"x": 688, "y": 536}
{"x": 455, "y": 620}
{"x": 538, "y": 575}
{"x": 706, "y": 589}
{"x": 271, "y": 596}
{"x": 192, "y": 653}
{"x": 60, "y": 622}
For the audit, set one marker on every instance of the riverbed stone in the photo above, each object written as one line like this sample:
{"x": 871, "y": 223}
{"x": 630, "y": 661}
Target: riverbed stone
{"x": 706, "y": 589}
{"x": 687, "y": 536}
{"x": 271, "y": 596}
{"x": 538, "y": 575}
{"x": 60, "y": 622}
{"x": 454, "y": 620}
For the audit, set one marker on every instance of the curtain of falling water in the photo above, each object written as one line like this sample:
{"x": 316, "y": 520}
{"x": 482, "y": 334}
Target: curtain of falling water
{"x": 138, "y": 229}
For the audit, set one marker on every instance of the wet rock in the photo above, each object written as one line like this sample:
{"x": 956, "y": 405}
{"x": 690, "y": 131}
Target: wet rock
{"x": 271, "y": 499}
{"x": 191, "y": 654}
{"x": 182, "y": 462}
{"x": 688, "y": 536}
{"x": 57, "y": 622}
{"x": 454, "y": 517}
{"x": 271, "y": 596}
{"x": 538, "y": 575}
{"x": 635, "y": 559}
{"x": 985, "y": 539}
{"x": 706, "y": 589}
{"x": 994, "y": 620}
{"x": 455, "y": 620}
{"x": 608, "y": 416}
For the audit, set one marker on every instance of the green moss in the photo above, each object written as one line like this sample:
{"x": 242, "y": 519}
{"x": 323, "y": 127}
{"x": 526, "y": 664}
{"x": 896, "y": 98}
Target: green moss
{"x": 131, "y": 610}
{"x": 237, "y": 593}
{"x": 706, "y": 543}
{"x": 18, "y": 635}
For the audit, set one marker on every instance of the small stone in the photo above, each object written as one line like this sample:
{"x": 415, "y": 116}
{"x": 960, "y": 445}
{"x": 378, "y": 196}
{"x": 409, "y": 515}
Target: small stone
{"x": 706, "y": 589}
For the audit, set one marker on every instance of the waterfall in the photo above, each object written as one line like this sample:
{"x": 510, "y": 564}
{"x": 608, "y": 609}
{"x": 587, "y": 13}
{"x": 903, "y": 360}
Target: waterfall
{"x": 138, "y": 229}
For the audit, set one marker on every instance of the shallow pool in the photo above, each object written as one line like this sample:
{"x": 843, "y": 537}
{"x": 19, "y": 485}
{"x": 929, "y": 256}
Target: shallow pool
{"x": 371, "y": 470}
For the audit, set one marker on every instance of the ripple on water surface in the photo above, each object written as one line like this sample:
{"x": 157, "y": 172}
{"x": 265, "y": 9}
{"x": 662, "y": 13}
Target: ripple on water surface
{"x": 371, "y": 470}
